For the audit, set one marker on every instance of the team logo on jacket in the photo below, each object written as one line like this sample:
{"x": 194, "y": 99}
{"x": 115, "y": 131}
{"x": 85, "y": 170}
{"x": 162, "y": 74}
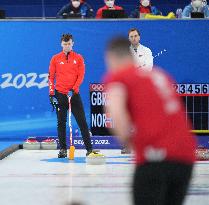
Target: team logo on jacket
{"x": 74, "y": 62}
{"x": 61, "y": 63}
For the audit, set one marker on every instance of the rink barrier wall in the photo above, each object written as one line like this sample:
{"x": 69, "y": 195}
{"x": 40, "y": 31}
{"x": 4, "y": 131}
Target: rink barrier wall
{"x": 11, "y": 149}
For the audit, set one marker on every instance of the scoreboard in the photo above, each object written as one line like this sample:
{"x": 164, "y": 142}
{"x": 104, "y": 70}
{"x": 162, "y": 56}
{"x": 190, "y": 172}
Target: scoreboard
{"x": 192, "y": 89}
{"x": 195, "y": 97}
{"x": 101, "y": 122}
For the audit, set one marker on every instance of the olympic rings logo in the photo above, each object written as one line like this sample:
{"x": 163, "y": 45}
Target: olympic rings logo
{"x": 97, "y": 87}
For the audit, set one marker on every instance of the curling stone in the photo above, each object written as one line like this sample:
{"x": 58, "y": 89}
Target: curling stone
{"x": 49, "y": 144}
{"x": 202, "y": 153}
{"x": 95, "y": 159}
{"x": 31, "y": 144}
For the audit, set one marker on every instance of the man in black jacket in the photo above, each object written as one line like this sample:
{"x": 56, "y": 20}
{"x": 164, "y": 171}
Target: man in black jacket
{"x": 76, "y": 9}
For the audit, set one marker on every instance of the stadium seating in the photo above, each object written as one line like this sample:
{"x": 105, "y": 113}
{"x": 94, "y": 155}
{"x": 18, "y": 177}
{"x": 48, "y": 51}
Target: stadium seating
{"x": 49, "y": 8}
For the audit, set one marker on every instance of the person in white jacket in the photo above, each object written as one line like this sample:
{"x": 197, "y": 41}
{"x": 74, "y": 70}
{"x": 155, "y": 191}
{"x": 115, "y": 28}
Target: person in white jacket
{"x": 142, "y": 55}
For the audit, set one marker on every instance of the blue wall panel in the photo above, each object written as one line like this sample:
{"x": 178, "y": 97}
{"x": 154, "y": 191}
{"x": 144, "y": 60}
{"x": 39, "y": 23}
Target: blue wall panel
{"x": 180, "y": 47}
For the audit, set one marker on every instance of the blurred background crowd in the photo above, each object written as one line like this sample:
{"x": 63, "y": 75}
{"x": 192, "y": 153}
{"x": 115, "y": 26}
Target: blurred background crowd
{"x": 71, "y": 9}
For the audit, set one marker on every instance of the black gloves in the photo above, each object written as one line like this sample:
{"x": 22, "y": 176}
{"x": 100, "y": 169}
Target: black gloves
{"x": 53, "y": 102}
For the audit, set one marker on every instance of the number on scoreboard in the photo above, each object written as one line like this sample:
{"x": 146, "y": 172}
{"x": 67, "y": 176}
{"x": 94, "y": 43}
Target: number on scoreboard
{"x": 196, "y": 100}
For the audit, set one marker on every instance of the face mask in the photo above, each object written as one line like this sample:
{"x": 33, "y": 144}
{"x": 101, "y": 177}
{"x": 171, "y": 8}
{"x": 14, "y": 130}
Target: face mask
{"x": 76, "y": 4}
{"x": 145, "y": 3}
{"x": 109, "y": 4}
{"x": 197, "y": 3}
{"x": 204, "y": 2}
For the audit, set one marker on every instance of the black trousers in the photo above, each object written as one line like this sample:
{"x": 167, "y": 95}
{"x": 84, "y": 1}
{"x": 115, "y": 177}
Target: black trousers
{"x": 79, "y": 114}
{"x": 161, "y": 183}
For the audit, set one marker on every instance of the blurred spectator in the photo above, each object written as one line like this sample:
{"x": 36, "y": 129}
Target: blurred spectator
{"x": 109, "y": 4}
{"x": 205, "y": 3}
{"x": 144, "y": 7}
{"x": 76, "y": 9}
{"x": 196, "y": 6}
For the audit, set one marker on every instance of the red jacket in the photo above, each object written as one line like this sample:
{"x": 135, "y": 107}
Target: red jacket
{"x": 99, "y": 11}
{"x": 158, "y": 116}
{"x": 68, "y": 72}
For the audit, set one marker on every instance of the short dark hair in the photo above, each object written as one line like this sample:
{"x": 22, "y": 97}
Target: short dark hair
{"x": 134, "y": 29}
{"x": 66, "y": 37}
{"x": 120, "y": 46}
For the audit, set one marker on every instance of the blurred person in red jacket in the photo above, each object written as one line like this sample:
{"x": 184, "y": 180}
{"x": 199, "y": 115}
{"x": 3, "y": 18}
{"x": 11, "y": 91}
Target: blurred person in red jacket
{"x": 149, "y": 115}
{"x": 109, "y": 5}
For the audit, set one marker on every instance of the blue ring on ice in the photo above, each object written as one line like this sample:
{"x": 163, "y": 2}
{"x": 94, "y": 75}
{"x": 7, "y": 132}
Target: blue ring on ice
{"x": 82, "y": 160}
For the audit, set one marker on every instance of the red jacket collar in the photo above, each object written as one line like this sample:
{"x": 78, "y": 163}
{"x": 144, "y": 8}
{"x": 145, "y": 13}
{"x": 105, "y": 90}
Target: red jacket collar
{"x": 63, "y": 54}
